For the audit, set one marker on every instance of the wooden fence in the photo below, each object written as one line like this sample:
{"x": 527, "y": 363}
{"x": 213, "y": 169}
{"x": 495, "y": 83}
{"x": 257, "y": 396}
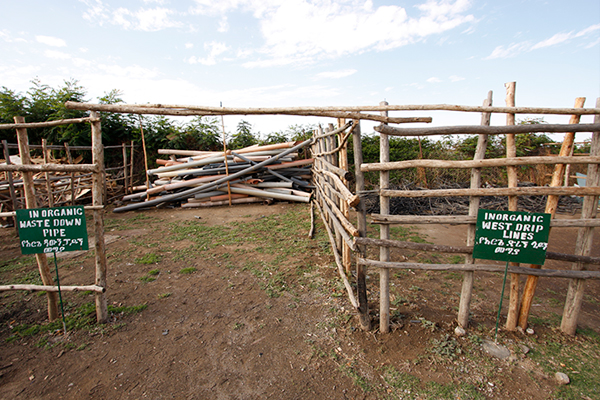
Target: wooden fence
{"x": 97, "y": 171}
{"x": 333, "y": 199}
{"x": 65, "y": 187}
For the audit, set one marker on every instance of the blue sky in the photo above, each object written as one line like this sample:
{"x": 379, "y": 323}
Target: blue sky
{"x": 265, "y": 53}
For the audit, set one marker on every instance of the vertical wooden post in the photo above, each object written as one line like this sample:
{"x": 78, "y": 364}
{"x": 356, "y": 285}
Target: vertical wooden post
{"x": 343, "y": 162}
{"x": 131, "y": 166}
{"x": 70, "y": 159}
{"x": 513, "y": 181}
{"x": 47, "y": 174}
{"x": 98, "y": 182}
{"x": 384, "y": 233}
{"x": 584, "y": 240}
{"x": 125, "y": 169}
{"x": 361, "y": 271}
{"x": 551, "y": 205}
{"x": 469, "y": 276}
{"x": 11, "y": 184}
{"x": 31, "y": 202}
{"x": 145, "y": 157}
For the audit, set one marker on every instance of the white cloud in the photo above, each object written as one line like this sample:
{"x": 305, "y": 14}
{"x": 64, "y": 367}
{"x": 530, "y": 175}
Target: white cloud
{"x": 51, "y": 41}
{"x": 336, "y": 74}
{"x": 214, "y": 49}
{"x": 7, "y": 37}
{"x": 515, "y": 49}
{"x": 556, "y": 39}
{"x": 148, "y": 20}
{"x": 57, "y": 55}
{"x": 297, "y": 31}
{"x": 130, "y": 72}
{"x": 510, "y": 51}
{"x": 454, "y": 78}
{"x": 434, "y": 79}
{"x": 189, "y": 45}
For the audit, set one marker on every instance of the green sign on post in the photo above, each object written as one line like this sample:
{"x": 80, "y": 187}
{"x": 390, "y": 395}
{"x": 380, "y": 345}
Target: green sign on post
{"x": 512, "y": 236}
{"x": 52, "y": 230}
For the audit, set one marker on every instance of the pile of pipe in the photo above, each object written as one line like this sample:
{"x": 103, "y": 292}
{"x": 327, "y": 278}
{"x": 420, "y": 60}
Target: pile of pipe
{"x": 206, "y": 178}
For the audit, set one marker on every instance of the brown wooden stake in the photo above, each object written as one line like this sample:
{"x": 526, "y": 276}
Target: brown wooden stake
{"x": 583, "y": 245}
{"x": 384, "y": 233}
{"x": 70, "y": 160}
{"x": 31, "y": 202}
{"x": 361, "y": 271}
{"x": 145, "y": 156}
{"x": 551, "y": 205}
{"x": 47, "y": 174}
{"x": 225, "y": 156}
{"x": 11, "y": 184}
{"x": 469, "y": 276}
{"x": 343, "y": 164}
{"x": 97, "y": 200}
{"x": 131, "y": 167}
{"x": 125, "y": 170}
{"x": 511, "y": 152}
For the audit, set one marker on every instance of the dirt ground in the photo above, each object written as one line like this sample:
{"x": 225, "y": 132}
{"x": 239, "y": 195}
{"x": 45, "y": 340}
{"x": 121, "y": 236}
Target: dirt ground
{"x": 259, "y": 319}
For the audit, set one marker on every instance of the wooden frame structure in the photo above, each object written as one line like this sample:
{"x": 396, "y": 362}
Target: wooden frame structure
{"x": 97, "y": 208}
{"x": 334, "y": 198}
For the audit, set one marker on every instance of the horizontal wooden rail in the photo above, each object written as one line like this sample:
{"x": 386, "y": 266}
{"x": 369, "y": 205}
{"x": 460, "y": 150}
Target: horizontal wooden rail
{"x": 39, "y": 288}
{"x": 50, "y": 168}
{"x": 400, "y": 244}
{"x": 488, "y": 130}
{"x": 490, "y": 162}
{"x": 47, "y": 124}
{"x": 465, "y": 219}
{"x": 554, "y": 273}
{"x": 518, "y": 191}
{"x": 159, "y": 109}
{"x": 410, "y": 107}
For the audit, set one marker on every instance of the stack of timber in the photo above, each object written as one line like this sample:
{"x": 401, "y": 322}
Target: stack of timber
{"x": 286, "y": 178}
{"x": 52, "y": 189}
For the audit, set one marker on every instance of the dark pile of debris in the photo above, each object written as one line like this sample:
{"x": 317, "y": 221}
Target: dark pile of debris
{"x": 460, "y": 205}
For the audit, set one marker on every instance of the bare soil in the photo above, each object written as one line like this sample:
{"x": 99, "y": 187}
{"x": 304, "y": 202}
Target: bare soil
{"x": 266, "y": 319}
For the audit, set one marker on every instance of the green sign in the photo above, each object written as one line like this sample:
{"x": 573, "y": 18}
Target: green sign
{"x": 513, "y": 236}
{"x": 52, "y": 230}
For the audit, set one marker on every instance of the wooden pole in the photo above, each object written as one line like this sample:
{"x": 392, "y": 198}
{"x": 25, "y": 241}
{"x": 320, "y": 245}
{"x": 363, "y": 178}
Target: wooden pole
{"x": 131, "y": 166}
{"x": 469, "y": 276}
{"x": 72, "y": 105}
{"x": 145, "y": 155}
{"x": 225, "y": 157}
{"x": 361, "y": 271}
{"x": 384, "y": 233}
{"x": 31, "y": 202}
{"x": 70, "y": 160}
{"x": 343, "y": 165}
{"x": 551, "y": 205}
{"x": 47, "y": 174}
{"x": 97, "y": 200}
{"x": 584, "y": 242}
{"x": 511, "y": 152}
{"x": 11, "y": 185}
{"x": 125, "y": 170}
{"x": 490, "y": 130}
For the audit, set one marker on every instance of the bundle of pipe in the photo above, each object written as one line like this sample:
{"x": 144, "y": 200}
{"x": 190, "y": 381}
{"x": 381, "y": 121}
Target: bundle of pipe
{"x": 252, "y": 174}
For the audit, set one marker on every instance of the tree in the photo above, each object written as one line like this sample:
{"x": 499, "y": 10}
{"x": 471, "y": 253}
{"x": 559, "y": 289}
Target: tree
{"x": 243, "y": 137}
{"x": 202, "y": 133}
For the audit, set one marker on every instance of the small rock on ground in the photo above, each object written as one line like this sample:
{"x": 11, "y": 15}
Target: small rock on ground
{"x": 562, "y": 378}
{"x": 495, "y": 350}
